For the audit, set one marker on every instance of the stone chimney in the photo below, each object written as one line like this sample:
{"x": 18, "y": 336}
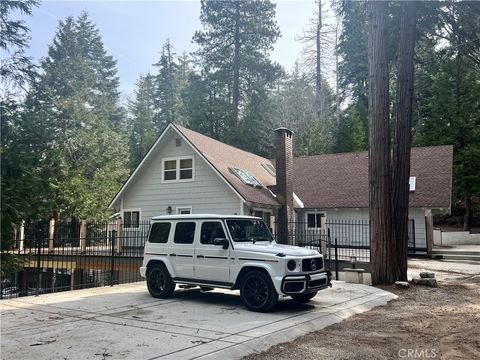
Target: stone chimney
{"x": 284, "y": 188}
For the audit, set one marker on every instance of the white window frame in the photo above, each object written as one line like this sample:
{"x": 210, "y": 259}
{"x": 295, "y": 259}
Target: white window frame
{"x": 313, "y": 213}
{"x": 177, "y": 172}
{"x": 139, "y": 218}
{"x": 189, "y": 208}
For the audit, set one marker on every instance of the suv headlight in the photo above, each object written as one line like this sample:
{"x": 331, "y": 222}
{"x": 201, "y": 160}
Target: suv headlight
{"x": 291, "y": 265}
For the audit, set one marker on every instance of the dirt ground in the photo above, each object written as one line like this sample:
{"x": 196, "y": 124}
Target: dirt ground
{"x": 423, "y": 323}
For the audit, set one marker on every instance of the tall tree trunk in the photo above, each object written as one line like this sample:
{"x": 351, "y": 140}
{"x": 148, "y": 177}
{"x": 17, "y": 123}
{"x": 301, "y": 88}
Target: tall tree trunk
{"x": 337, "y": 94}
{"x": 403, "y": 135}
{"x": 382, "y": 242}
{"x": 318, "y": 73}
{"x": 236, "y": 68}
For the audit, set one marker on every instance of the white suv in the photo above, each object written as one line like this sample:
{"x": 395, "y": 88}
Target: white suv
{"x": 230, "y": 252}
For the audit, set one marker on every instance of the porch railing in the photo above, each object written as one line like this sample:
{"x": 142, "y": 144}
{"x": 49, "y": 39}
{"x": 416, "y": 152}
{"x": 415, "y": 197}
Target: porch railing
{"x": 68, "y": 256}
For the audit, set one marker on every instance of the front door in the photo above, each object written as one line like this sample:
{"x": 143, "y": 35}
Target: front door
{"x": 212, "y": 261}
{"x": 312, "y": 235}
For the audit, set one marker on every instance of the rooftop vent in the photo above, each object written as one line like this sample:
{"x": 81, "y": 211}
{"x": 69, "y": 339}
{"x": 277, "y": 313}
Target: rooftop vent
{"x": 412, "y": 182}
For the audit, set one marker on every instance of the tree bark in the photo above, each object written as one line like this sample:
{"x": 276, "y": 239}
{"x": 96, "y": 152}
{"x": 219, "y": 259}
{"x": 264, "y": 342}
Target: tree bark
{"x": 382, "y": 242}
{"x": 337, "y": 79}
{"x": 318, "y": 77}
{"x": 236, "y": 68}
{"x": 403, "y": 135}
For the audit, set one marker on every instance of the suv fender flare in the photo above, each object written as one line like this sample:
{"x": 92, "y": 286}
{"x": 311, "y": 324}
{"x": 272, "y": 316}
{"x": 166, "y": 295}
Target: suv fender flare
{"x": 248, "y": 267}
{"x": 164, "y": 261}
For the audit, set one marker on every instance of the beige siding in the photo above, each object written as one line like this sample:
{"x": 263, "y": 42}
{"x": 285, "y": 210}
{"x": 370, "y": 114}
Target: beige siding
{"x": 208, "y": 193}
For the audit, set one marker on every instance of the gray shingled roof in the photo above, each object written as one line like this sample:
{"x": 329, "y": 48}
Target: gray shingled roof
{"x": 223, "y": 156}
{"x": 341, "y": 180}
{"x": 324, "y": 181}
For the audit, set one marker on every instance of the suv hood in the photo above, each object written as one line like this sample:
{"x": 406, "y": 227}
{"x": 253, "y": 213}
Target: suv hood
{"x": 274, "y": 248}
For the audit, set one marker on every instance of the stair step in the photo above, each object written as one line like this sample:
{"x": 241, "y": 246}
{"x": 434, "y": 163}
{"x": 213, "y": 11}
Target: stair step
{"x": 459, "y": 252}
{"x": 450, "y": 256}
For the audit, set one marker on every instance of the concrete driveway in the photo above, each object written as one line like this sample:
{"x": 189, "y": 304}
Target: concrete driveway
{"x": 124, "y": 322}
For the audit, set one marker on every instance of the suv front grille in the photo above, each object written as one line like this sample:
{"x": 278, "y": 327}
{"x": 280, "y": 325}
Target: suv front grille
{"x": 312, "y": 264}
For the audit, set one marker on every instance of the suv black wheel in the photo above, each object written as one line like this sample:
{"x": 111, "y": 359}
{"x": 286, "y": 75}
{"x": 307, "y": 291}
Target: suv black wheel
{"x": 159, "y": 281}
{"x": 258, "y": 292}
{"x": 304, "y": 298}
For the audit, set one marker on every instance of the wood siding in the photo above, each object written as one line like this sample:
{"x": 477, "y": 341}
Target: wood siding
{"x": 208, "y": 193}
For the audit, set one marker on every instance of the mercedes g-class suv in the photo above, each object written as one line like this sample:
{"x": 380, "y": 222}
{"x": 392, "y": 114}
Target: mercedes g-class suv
{"x": 230, "y": 252}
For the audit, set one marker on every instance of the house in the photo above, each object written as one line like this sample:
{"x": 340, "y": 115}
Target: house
{"x": 187, "y": 172}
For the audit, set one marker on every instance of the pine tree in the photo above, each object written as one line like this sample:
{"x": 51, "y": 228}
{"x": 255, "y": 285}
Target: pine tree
{"x": 379, "y": 172}
{"x": 318, "y": 53}
{"x": 16, "y": 182}
{"x": 166, "y": 92}
{"x": 403, "y": 135}
{"x": 17, "y": 71}
{"x": 78, "y": 126}
{"x": 142, "y": 121}
{"x": 234, "y": 45}
{"x": 294, "y": 105}
{"x": 205, "y": 105}
{"x": 353, "y": 77}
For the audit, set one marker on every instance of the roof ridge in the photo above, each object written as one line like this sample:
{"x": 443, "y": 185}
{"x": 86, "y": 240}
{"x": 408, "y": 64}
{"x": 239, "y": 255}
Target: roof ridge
{"x": 366, "y": 151}
{"x": 182, "y": 128}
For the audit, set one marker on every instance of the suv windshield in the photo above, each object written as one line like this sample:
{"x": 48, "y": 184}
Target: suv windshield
{"x": 249, "y": 230}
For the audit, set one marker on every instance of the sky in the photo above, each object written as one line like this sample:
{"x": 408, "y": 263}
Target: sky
{"x": 133, "y": 31}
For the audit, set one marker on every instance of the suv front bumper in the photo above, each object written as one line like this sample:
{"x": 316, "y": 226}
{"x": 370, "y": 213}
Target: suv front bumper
{"x": 306, "y": 283}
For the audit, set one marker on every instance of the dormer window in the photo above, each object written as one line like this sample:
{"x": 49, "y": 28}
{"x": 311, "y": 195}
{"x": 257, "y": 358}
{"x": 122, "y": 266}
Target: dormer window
{"x": 178, "y": 169}
{"x": 246, "y": 177}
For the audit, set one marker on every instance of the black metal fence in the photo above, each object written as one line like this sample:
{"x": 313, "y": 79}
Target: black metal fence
{"x": 74, "y": 255}
{"x": 344, "y": 243}
{"x": 77, "y": 255}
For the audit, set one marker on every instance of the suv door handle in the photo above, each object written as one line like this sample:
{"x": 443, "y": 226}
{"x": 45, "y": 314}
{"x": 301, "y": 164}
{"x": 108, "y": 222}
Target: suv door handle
{"x": 201, "y": 256}
{"x": 173, "y": 254}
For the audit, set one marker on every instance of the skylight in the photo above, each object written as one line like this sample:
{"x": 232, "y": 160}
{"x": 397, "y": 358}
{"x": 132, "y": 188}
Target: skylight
{"x": 270, "y": 169}
{"x": 246, "y": 177}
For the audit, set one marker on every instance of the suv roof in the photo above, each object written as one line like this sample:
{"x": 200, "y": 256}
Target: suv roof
{"x": 202, "y": 216}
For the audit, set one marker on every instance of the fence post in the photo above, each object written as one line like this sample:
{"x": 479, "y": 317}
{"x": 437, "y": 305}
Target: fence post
{"x": 336, "y": 259}
{"x": 329, "y": 244}
{"x": 119, "y": 236}
{"x": 51, "y": 231}
{"x": 429, "y": 231}
{"x": 323, "y": 232}
{"x": 72, "y": 279}
{"x": 112, "y": 258}
{"x": 21, "y": 243}
{"x": 83, "y": 236}
{"x": 39, "y": 249}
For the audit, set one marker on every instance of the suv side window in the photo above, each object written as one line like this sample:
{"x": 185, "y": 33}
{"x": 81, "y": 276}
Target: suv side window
{"x": 211, "y": 230}
{"x": 184, "y": 233}
{"x": 159, "y": 233}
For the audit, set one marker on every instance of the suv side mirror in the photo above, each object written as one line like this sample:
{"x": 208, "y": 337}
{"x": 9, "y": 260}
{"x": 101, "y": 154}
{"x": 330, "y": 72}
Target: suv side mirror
{"x": 221, "y": 242}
